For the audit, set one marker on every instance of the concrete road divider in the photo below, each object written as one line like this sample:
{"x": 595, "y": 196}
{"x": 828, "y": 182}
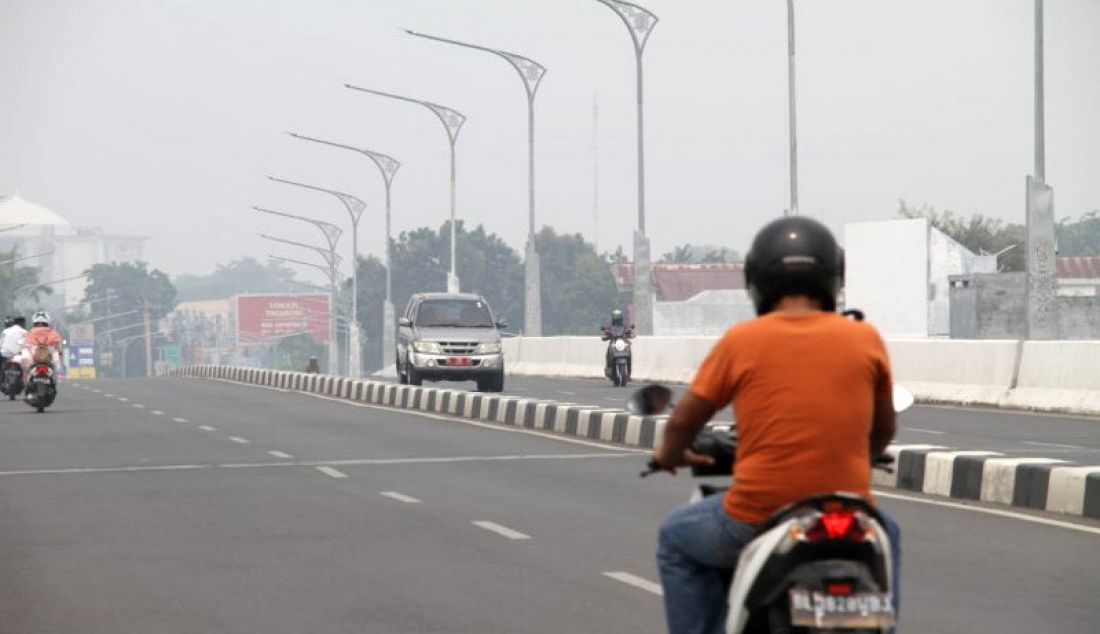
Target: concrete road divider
{"x": 1036, "y": 483}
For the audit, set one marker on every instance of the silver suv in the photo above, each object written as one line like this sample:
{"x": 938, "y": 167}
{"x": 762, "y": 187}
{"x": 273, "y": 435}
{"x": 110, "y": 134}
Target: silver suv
{"x": 450, "y": 337}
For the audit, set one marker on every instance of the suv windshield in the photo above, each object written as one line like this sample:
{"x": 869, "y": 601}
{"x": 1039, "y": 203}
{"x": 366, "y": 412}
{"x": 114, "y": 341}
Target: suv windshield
{"x": 457, "y": 313}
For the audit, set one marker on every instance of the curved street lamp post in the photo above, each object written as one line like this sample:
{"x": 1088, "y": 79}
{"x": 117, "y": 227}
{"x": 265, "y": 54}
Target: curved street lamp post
{"x": 388, "y": 166}
{"x": 452, "y": 121}
{"x": 531, "y": 72}
{"x": 332, "y": 234}
{"x": 355, "y": 208}
{"x": 640, "y": 23}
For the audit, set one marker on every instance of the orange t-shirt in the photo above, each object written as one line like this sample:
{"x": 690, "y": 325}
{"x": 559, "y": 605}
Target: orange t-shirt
{"x": 803, "y": 388}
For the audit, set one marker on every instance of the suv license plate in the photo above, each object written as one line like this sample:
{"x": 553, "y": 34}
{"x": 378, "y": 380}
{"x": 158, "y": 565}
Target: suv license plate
{"x": 459, "y": 361}
{"x": 826, "y": 611}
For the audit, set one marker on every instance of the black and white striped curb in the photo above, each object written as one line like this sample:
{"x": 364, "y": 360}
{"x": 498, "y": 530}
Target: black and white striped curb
{"x": 987, "y": 476}
{"x": 1034, "y": 483}
{"x": 584, "y": 421}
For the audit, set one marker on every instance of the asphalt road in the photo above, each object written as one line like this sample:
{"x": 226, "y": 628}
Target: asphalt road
{"x": 1072, "y": 438}
{"x": 206, "y": 506}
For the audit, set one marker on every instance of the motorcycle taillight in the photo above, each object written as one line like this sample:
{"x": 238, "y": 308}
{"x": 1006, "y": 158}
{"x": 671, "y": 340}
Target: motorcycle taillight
{"x": 839, "y": 524}
{"x": 42, "y": 370}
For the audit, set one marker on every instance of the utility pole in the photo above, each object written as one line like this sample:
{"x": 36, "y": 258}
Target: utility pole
{"x": 1042, "y": 289}
{"x": 596, "y": 171}
{"x": 148, "y": 339}
{"x": 792, "y": 121}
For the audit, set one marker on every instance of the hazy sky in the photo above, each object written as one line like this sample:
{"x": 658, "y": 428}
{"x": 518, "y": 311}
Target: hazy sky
{"x": 162, "y": 118}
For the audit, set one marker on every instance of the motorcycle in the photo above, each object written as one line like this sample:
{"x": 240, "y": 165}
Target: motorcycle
{"x": 41, "y": 380}
{"x": 820, "y": 564}
{"x": 619, "y": 358}
{"x": 11, "y": 382}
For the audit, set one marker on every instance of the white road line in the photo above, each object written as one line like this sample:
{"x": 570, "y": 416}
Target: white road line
{"x": 180, "y": 420}
{"x": 96, "y": 391}
{"x": 1050, "y": 444}
{"x": 637, "y": 582}
{"x": 503, "y": 531}
{"x": 157, "y": 412}
{"x": 108, "y": 396}
{"x": 207, "y": 428}
{"x": 981, "y": 509}
{"x": 332, "y": 473}
{"x": 279, "y": 454}
{"x": 138, "y": 406}
{"x": 923, "y": 431}
{"x": 564, "y": 393}
{"x": 400, "y": 497}
{"x": 240, "y": 441}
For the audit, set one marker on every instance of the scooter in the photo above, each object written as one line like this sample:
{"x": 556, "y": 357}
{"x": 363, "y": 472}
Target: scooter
{"x": 11, "y": 382}
{"x": 820, "y": 564}
{"x": 619, "y": 356}
{"x": 41, "y": 381}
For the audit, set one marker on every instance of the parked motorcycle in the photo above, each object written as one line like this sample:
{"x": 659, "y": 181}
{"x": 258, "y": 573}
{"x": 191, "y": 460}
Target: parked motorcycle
{"x": 11, "y": 382}
{"x": 41, "y": 381}
{"x": 619, "y": 358}
{"x": 817, "y": 565}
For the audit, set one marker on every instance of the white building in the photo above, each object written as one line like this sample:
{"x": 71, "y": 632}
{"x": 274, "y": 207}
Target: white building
{"x": 33, "y": 229}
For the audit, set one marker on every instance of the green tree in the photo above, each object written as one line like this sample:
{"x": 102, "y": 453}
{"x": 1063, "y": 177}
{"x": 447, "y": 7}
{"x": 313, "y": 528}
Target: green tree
{"x": 245, "y": 275}
{"x": 1081, "y": 237}
{"x": 578, "y": 291}
{"x": 981, "y": 234}
{"x": 294, "y": 352}
{"x": 679, "y": 255}
{"x": 14, "y": 277}
{"x": 132, "y": 287}
{"x": 700, "y": 253}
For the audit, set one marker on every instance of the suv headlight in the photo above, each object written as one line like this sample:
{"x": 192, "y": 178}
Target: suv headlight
{"x": 427, "y": 347}
{"x": 488, "y": 348}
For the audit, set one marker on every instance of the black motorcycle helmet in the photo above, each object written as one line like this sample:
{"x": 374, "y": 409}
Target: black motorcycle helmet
{"x": 794, "y": 255}
{"x": 616, "y": 317}
{"x": 20, "y": 321}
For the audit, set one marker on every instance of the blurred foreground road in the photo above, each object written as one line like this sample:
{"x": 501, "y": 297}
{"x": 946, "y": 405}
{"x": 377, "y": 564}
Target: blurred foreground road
{"x": 196, "y": 506}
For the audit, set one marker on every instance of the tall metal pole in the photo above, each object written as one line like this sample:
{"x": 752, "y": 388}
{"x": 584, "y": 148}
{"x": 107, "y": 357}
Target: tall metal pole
{"x": 1040, "y": 118}
{"x": 452, "y": 121}
{"x": 596, "y": 172}
{"x": 388, "y": 166}
{"x": 792, "y": 122}
{"x": 1042, "y": 284}
{"x": 531, "y": 73}
{"x": 640, "y": 23}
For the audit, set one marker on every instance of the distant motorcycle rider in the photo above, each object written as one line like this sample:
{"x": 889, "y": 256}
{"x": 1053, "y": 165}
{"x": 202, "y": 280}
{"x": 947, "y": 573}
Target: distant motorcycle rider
{"x": 11, "y": 341}
{"x": 618, "y": 329}
{"x": 41, "y": 335}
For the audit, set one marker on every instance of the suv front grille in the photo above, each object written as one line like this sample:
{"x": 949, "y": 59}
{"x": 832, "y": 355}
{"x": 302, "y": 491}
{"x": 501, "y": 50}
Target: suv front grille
{"x": 458, "y": 347}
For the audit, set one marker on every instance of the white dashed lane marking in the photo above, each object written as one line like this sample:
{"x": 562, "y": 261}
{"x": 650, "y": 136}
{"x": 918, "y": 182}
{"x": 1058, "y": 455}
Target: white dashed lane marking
{"x": 400, "y": 497}
{"x": 138, "y": 406}
{"x": 280, "y": 454}
{"x": 503, "y": 531}
{"x": 157, "y": 412}
{"x": 332, "y": 473}
{"x": 239, "y": 440}
{"x": 180, "y": 420}
{"x": 637, "y": 582}
{"x": 207, "y": 428}
{"x": 123, "y": 399}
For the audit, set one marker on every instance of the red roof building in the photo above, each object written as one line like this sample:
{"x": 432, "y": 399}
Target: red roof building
{"x": 1078, "y": 267}
{"x": 675, "y": 282}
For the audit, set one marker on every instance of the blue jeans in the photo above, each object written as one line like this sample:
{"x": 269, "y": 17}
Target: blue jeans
{"x": 698, "y": 544}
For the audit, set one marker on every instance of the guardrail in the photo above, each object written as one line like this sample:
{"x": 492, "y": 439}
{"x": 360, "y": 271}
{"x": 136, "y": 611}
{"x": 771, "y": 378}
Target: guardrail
{"x": 1053, "y": 376}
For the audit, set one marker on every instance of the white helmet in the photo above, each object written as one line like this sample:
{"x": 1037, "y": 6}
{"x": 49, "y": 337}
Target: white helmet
{"x": 41, "y": 318}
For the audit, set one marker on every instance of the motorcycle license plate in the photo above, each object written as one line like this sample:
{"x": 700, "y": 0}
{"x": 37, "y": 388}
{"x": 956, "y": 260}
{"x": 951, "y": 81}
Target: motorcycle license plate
{"x": 827, "y": 611}
{"x": 459, "y": 361}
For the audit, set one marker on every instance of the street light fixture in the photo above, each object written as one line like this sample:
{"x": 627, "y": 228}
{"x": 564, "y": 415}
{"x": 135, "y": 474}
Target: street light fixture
{"x": 388, "y": 166}
{"x": 23, "y": 289}
{"x": 355, "y": 208}
{"x": 640, "y": 23}
{"x": 452, "y": 121}
{"x": 332, "y": 260}
{"x": 531, "y": 72}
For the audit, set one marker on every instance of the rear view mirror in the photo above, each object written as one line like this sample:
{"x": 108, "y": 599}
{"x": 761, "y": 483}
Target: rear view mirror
{"x": 903, "y": 398}
{"x": 404, "y": 322}
{"x": 650, "y": 400}
{"x": 501, "y": 325}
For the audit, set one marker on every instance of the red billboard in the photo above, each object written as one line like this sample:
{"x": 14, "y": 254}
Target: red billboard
{"x": 265, "y": 317}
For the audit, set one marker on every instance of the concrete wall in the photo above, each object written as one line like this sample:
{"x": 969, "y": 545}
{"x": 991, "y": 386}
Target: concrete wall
{"x": 709, "y": 313}
{"x": 1059, "y": 376}
{"x": 992, "y": 306}
{"x": 887, "y": 274}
